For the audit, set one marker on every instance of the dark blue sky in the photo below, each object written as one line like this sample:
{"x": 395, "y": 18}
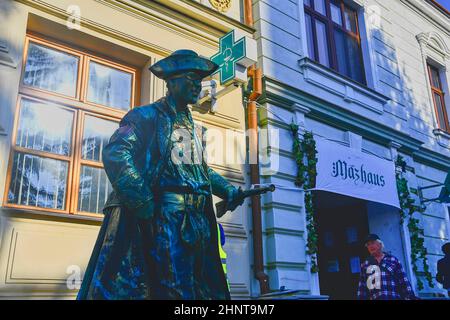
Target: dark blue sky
{"x": 445, "y": 3}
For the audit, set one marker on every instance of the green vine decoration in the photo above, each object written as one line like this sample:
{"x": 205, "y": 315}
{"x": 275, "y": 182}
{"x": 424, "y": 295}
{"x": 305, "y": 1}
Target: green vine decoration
{"x": 306, "y": 160}
{"x": 408, "y": 208}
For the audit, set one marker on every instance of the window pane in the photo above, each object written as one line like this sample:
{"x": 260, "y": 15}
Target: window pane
{"x": 435, "y": 78}
{"x": 350, "y": 20}
{"x": 44, "y": 127}
{"x": 310, "y": 36}
{"x": 322, "y": 43}
{"x": 94, "y": 189}
{"x": 38, "y": 181}
{"x": 336, "y": 15}
{"x": 307, "y": 2}
{"x": 440, "y": 111}
{"x": 355, "y": 63}
{"x": 95, "y": 136}
{"x": 348, "y": 55}
{"x": 109, "y": 86}
{"x": 50, "y": 69}
{"x": 341, "y": 52}
{"x": 319, "y": 6}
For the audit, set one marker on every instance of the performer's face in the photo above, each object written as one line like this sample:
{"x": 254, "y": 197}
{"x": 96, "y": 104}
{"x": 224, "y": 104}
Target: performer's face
{"x": 185, "y": 88}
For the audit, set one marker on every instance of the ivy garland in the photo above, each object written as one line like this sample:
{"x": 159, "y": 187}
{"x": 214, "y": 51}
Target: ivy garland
{"x": 418, "y": 250}
{"x": 306, "y": 160}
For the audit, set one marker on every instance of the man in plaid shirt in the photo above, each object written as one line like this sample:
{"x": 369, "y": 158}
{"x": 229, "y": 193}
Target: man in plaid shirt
{"x": 382, "y": 275}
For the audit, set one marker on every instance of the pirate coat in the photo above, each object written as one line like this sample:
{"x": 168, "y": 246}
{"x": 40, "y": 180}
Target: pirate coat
{"x": 119, "y": 267}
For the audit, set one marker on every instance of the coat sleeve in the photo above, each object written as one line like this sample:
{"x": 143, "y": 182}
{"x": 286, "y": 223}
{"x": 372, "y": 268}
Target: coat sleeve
{"x": 220, "y": 186}
{"x": 119, "y": 159}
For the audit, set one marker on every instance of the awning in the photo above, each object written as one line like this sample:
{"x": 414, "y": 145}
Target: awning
{"x": 355, "y": 174}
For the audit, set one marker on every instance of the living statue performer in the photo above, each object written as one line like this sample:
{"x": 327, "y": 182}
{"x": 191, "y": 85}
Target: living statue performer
{"x": 158, "y": 239}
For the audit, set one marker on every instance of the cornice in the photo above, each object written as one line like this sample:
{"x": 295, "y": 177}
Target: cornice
{"x": 95, "y": 26}
{"x": 431, "y": 14}
{"x": 194, "y": 28}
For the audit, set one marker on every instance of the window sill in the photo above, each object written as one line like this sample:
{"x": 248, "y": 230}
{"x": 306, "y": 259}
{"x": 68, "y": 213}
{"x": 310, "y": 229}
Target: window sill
{"x": 48, "y": 215}
{"x": 443, "y": 138}
{"x": 341, "y": 86}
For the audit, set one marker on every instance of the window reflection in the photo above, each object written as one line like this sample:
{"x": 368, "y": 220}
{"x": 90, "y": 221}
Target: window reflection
{"x": 322, "y": 43}
{"x": 95, "y": 136}
{"x": 38, "y": 181}
{"x": 108, "y": 86}
{"x": 336, "y": 14}
{"x": 51, "y": 70}
{"x": 94, "y": 189}
{"x": 350, "y": 20}
{"x": 44, "y": 127}
{"x": 319, "y": 6}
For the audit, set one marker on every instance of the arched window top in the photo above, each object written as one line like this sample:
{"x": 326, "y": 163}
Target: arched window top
{"x": 434, "y": 41}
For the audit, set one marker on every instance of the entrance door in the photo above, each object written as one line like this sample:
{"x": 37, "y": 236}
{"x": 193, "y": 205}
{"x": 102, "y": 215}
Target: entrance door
{"x": 341, "y": 233}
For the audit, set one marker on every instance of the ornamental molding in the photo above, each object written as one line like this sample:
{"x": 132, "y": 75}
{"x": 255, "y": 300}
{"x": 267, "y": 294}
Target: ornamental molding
{"x": 434, "y": 41}
{"x": 432, "y": 15}
{"x": 221, "y": 5}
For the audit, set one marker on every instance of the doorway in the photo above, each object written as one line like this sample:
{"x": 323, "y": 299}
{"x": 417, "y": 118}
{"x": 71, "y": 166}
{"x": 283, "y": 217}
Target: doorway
{"x": 342, "y": 225}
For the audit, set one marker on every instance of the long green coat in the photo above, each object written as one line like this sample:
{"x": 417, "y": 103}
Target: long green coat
{"x": 119, "y": 267}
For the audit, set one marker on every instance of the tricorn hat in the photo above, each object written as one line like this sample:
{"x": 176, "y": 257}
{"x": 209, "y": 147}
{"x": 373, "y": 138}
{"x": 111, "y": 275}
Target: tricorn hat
{"x": 183, "y": 61}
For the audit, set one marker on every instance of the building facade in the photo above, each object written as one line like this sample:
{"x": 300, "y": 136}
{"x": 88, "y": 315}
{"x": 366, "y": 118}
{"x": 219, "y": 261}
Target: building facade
{"x": 69, "y": 70}
{"x": 366, "y": 77}
{"x": 369, "y": 79}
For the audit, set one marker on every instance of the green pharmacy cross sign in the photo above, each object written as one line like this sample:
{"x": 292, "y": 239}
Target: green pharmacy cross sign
{"x": 229, "y": 54}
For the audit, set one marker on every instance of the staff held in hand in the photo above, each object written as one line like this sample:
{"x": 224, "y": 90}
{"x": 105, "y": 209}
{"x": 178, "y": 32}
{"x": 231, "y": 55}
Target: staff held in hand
{"x": 223, "y": 207}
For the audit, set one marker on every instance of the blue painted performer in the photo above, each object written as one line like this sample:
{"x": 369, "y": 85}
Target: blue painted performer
{"x": 159, "y": 236}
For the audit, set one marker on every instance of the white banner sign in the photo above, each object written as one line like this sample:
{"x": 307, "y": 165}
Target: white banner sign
{"x": 355, "y": 174}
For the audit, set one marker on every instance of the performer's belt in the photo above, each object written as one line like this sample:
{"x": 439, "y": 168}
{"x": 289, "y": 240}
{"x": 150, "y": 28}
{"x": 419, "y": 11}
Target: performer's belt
{"x": 184, "y": 200}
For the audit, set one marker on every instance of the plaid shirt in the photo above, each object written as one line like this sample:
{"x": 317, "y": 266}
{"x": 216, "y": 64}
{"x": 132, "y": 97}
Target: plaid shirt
{"x": 392, "y": 282}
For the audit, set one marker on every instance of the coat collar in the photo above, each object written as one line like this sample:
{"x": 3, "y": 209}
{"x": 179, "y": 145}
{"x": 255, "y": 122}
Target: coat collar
{"x": 165, "y": 108}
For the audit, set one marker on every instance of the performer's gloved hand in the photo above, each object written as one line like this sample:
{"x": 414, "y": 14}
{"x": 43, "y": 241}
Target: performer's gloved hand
{"x": 234, "y": 198}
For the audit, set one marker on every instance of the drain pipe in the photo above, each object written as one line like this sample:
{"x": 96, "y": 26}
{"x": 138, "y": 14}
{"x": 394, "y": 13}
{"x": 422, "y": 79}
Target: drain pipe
{"x": 252, "y": 119}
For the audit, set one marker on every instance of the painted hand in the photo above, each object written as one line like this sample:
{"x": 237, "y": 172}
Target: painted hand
{"x": 234, "y": 198}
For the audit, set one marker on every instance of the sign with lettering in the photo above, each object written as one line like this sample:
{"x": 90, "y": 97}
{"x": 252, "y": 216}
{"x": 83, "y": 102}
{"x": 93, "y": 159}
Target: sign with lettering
{"x": 234, "y": 57}
{"x": 355, "y": 174}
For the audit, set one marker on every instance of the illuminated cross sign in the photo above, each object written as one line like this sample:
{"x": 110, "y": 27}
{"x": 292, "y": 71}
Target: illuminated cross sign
{"x": 229, "y": 54}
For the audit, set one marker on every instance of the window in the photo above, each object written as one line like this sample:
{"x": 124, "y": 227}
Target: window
{"x": 69, "y": 104}
{"x": 438, "y": 98}
{"x": 333, "y": 37}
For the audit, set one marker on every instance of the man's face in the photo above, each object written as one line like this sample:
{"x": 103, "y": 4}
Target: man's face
{"x": 185, "y": 88}
{"x": 374, "y": 247}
